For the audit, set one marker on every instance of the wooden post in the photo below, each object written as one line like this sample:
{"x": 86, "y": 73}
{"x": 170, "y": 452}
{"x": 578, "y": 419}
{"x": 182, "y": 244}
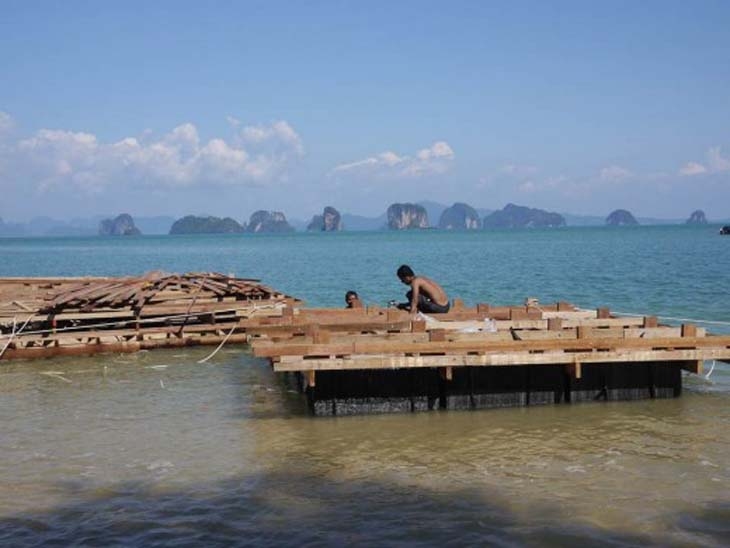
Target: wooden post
{"x": 689, "y": 330}
{"x": 603, "y": 313}
{"x": 582, "y": 332}
{"x": 518, "y": 314}
{"x": 458, "y": 304}
{"x": 437, "y": 335}
{"x": 574, "y": 370}
{"x": 555, "y": 324}
{"x": 446, "y": 373}
{"x": 140, "y": 337}
{"x": 309, "y": 379}
{"x": 533, "y": 313}
{"x": 418, "y": 326}
{"x": 650, "y": 321}
{"x": 372, "y": 310}
{"x": 694, "y": 366}
{"x": 483, "y": 309}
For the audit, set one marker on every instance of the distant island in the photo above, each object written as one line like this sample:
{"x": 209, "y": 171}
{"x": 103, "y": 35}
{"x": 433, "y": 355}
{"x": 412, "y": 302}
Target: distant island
{"x": 121, "y": 225}
{"x": 697, "y": 218}
{"x": 406, "y": 216}
{"x": 329, "y": 221}
{"x": 459, "y": 216}
{"x": 205, "y": 225}
{"x": 621, "y": 217}
{"x": 515, "y": 216}
{"x": 399, "y": 216}
{"x": 268, "y": 221}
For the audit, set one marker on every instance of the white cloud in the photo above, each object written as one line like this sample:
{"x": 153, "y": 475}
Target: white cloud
{"x": 428, "y": 161}
{"x": 614, "y": 174}
{"x": 527, "y": 187}
{"x": 692, "y": 168}
{"x": 716, "y": 163}
{"x": 518, "y": 170}
{"x": 6, "y": 122}
{"x": 278, "y": 133}
{"x": 178, "y": 159}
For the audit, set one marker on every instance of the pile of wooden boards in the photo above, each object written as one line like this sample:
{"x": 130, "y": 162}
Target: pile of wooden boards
{"x": 317, "y": 340}
{"x": 153, "y": 289}
{"x": 51, "y": 316}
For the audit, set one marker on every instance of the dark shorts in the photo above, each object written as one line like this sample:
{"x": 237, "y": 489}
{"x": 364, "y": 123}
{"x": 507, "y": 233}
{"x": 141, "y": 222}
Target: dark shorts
{"x": 425, "y": 305}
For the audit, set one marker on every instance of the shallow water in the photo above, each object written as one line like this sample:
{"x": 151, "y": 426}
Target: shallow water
{"x": 154, "y": 448}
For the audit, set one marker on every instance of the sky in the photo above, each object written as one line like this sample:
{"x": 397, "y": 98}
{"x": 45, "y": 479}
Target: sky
{"x": 223, "y": 108}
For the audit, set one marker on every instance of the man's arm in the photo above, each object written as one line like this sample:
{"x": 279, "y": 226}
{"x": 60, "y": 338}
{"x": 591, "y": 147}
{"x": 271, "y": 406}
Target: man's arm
{"x": 415, "y": 291}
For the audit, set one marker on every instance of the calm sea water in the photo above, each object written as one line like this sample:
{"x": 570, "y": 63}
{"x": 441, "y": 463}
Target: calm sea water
{"x": 153, "y": 448}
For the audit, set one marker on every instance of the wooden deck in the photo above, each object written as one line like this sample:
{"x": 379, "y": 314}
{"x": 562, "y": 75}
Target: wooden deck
{"x": 382, "y": 360}
{"x": 481, "y": 336}
{"x": 369, "y": 359}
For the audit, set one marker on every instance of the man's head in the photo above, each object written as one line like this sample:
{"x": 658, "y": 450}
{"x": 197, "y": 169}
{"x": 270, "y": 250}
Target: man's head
{"x": 351, "y": 298}
{"x": 405, "y": 274}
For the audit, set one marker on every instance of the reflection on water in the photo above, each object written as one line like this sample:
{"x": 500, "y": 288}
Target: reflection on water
{"x": 155, "y": 448}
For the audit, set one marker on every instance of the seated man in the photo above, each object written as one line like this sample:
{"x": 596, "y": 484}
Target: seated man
{"x": 425, "y": 295}
{"x": 352, "y": 300}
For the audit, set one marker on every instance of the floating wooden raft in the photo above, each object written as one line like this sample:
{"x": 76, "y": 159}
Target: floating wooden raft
{"x": 97, "y": 314}
{"x": 347, "y": 350}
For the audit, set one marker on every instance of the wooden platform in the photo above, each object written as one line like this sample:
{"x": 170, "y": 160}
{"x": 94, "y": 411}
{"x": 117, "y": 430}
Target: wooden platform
{"x": 363, "y": 360}
{"x": 382, "y": 360}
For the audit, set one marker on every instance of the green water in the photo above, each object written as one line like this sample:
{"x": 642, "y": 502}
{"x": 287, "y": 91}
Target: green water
{"x": 156, "y": 449}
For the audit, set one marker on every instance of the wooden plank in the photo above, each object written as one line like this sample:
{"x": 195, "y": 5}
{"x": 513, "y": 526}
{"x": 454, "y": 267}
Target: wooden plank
{"x": 489, "y": 346}
{"x": 486, "y": 360}
{"x": 659, "y": 332}
{"x": 396, "y": 338}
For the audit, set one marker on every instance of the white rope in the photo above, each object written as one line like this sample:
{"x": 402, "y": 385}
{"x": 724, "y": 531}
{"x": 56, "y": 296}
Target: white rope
{"x": 219, "y": 346}
{"x": 10, "y": 339}
{"x": 13, "y": 334}
{"x": 711, "y": 370}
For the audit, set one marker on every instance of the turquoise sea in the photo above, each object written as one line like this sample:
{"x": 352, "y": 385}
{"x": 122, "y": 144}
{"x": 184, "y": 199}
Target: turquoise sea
{"x": 662, "y": 270}
{"x": 156, "y": 449}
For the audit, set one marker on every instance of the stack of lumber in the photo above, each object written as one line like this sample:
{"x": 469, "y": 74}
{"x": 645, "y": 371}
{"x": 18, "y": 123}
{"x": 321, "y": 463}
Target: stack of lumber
{"x": 481, "y": 336}
{"x": 96, "y": 314}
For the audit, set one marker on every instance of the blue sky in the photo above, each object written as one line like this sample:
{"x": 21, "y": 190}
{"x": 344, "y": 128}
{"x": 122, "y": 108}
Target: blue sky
{"x": 227, "y": 107}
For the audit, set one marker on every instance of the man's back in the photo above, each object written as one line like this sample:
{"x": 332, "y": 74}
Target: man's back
{"x": 431, "y": 289}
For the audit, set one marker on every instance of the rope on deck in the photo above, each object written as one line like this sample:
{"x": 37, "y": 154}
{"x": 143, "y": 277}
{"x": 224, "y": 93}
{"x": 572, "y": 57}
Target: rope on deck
{"x": 671, "y": 318}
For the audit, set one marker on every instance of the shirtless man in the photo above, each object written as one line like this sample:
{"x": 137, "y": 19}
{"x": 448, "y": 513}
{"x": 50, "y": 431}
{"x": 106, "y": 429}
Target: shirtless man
{"x": 425, "y": 294}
